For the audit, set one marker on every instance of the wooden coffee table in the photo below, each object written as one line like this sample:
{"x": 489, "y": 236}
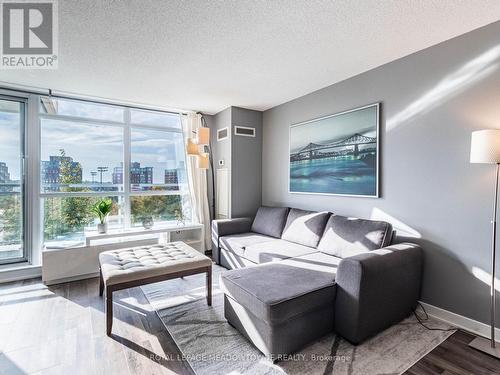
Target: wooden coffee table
{"x": 135, "y": 266}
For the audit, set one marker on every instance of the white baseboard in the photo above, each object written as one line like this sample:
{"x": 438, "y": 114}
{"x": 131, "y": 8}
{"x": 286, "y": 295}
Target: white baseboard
{"x": 460, "y": 321}
{"x": 20, "y": 273}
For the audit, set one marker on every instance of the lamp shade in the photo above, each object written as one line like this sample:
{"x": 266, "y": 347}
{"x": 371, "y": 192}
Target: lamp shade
{"x": 203, "y": 136}
{"x": 485, "y": 146}
{"x": 202, "y": 162}
{"x": 192, "y": 147}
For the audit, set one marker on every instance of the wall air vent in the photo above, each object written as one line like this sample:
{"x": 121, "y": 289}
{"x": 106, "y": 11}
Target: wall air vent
{"x": 222, "y": 134}
{"x": 244, "y": 131}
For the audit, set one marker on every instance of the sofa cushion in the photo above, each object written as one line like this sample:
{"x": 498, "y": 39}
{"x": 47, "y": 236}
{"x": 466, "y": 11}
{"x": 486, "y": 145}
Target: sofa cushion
{"x": 237, "y": 243}
{"x": 345, "y": 237}
{"x": 275, "y": 250}
{"x": 270, "y": 221}
{"x": 289, "y": 292}
{"x": 317, "y": 261}
{"x": 305, "y": 227}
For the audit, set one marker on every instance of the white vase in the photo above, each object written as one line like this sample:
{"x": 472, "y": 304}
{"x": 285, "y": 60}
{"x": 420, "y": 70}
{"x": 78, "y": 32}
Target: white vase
{"x": 102, "y": 228}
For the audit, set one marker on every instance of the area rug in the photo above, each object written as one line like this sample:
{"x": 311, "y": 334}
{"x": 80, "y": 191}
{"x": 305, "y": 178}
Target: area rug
{"x": 212, "y": 346}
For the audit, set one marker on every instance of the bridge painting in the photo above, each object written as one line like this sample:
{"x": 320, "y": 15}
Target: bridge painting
{"x": 336, "y": 154}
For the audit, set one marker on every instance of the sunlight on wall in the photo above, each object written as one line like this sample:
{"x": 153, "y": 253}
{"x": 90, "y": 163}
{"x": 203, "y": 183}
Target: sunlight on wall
{"x": 401, "y": 228}
{"x": 485, "y": 277}
{"x": 452, "y": 84}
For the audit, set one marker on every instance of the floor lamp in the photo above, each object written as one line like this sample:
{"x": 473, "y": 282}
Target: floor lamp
{"x": 485, "y": 148}
{"x": 201, "y": 148}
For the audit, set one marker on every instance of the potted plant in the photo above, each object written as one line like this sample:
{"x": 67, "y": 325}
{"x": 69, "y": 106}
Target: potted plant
{"x": 179, "y": 216}
{"x": 147, "y": 221}
{"x": 102, "y": 209}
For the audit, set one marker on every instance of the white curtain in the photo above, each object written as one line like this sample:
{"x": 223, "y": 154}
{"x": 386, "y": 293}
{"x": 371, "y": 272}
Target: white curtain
{"x": 197, "y": 179}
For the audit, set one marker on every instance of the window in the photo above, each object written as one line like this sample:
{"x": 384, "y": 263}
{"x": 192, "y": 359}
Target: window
{"x": 158, "y": 162}
{"x": 161, "y": 208}
{"x": 67, "y": 218}
{"x": 157, "y": 119}
{"x": 80, "y": 156}
{"x": 90, "y": 151}
{"x": 81, "y": 109}
{"x": 12, "y": 125}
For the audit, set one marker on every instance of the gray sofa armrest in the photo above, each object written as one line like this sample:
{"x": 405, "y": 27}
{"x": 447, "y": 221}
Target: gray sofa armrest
{"x": 226, "y": 227}
{"x": 376, "y": 290}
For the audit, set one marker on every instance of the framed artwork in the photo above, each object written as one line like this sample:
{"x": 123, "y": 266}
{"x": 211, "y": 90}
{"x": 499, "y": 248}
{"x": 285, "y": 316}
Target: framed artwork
{"x": 337, "y": 154}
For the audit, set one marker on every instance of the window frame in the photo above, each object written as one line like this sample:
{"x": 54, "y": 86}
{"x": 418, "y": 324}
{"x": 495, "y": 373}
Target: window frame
{"x": 33, "y": 220}
{"x": 23, "y": 143}
{"x": 127, "y": 126}
{"x": 30, "y": 171}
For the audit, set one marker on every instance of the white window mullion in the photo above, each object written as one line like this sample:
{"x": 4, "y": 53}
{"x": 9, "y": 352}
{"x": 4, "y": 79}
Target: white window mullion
{"x": 126, "y": 170}
{"x": 34, "y": 208}
{"x": 82, "y": 194}
{"x": 81, "y": 120}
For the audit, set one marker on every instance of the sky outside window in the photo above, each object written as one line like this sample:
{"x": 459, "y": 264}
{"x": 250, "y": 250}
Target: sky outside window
{"x": 93, "y": 146}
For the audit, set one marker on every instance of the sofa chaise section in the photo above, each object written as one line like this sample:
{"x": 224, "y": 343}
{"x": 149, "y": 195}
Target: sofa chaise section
{"x": 278, "y": 307}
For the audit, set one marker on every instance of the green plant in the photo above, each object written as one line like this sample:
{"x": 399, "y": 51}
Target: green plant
{"x": 102, "y": 209}
{"x": 74, "y": 211}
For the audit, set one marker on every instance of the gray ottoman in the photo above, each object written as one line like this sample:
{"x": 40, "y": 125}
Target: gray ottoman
{"x": 279, "y": 308}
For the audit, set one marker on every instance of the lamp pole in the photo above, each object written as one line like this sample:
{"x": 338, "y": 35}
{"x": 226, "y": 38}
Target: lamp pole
{"x": 211, "y": 160}
{"x": 493, "y": 259}
{"x": 485, "y": 149}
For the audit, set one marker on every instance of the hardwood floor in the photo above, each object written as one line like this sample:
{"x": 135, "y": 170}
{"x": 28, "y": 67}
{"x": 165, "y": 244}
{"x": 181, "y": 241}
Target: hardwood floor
{"x": 60, "y": 330}
{"x": 454, "y": 356}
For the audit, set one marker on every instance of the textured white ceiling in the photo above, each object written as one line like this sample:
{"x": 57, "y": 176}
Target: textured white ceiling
{"x": 208, "y": 55}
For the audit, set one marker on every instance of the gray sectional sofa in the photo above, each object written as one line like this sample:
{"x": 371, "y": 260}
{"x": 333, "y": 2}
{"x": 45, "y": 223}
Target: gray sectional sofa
{"x": 298, "y": 275}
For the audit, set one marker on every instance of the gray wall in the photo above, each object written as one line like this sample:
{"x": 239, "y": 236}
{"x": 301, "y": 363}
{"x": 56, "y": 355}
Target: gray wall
{"x": 246, "y": 171}
{"x": 242, "y": 156}
{"x": 222, "y": 149}
{"x": 431, "y": 102}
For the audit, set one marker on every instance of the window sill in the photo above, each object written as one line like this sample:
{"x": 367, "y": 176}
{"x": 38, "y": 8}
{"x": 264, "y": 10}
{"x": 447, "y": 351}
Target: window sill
{"x": 139, "y": 230}
{"x": 19, "y": 271}
{"x": 114, "y": 236}
{"x": 14, "y": 266}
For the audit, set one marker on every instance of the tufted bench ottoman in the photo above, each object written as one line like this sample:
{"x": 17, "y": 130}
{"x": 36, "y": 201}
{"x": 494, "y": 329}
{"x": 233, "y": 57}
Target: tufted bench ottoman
{"x": 128, "y": 268}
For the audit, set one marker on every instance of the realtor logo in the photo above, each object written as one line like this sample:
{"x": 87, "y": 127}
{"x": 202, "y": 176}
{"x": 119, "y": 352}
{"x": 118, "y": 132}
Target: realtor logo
{"x": 29, "y": 34}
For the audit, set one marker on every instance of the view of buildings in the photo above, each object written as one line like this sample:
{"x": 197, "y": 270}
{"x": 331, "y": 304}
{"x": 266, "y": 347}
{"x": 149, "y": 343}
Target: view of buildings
{"x": 139, "y": 175}
{"x": 51, "y": 169}
{"x": 117, "y": 175}
{"x": 172, "y": 179}
{"x": 10, "y": 216}
{"x": 4, "y": 173}
{"x": 6, "y": 183}
{"x": 65, "y": 217}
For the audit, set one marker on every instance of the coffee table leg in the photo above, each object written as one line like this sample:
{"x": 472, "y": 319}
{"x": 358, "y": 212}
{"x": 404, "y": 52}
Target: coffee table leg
{"x": 209, "y": 286}
{"x": 109, "y": 311}
{"x": 101, "y": 283}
